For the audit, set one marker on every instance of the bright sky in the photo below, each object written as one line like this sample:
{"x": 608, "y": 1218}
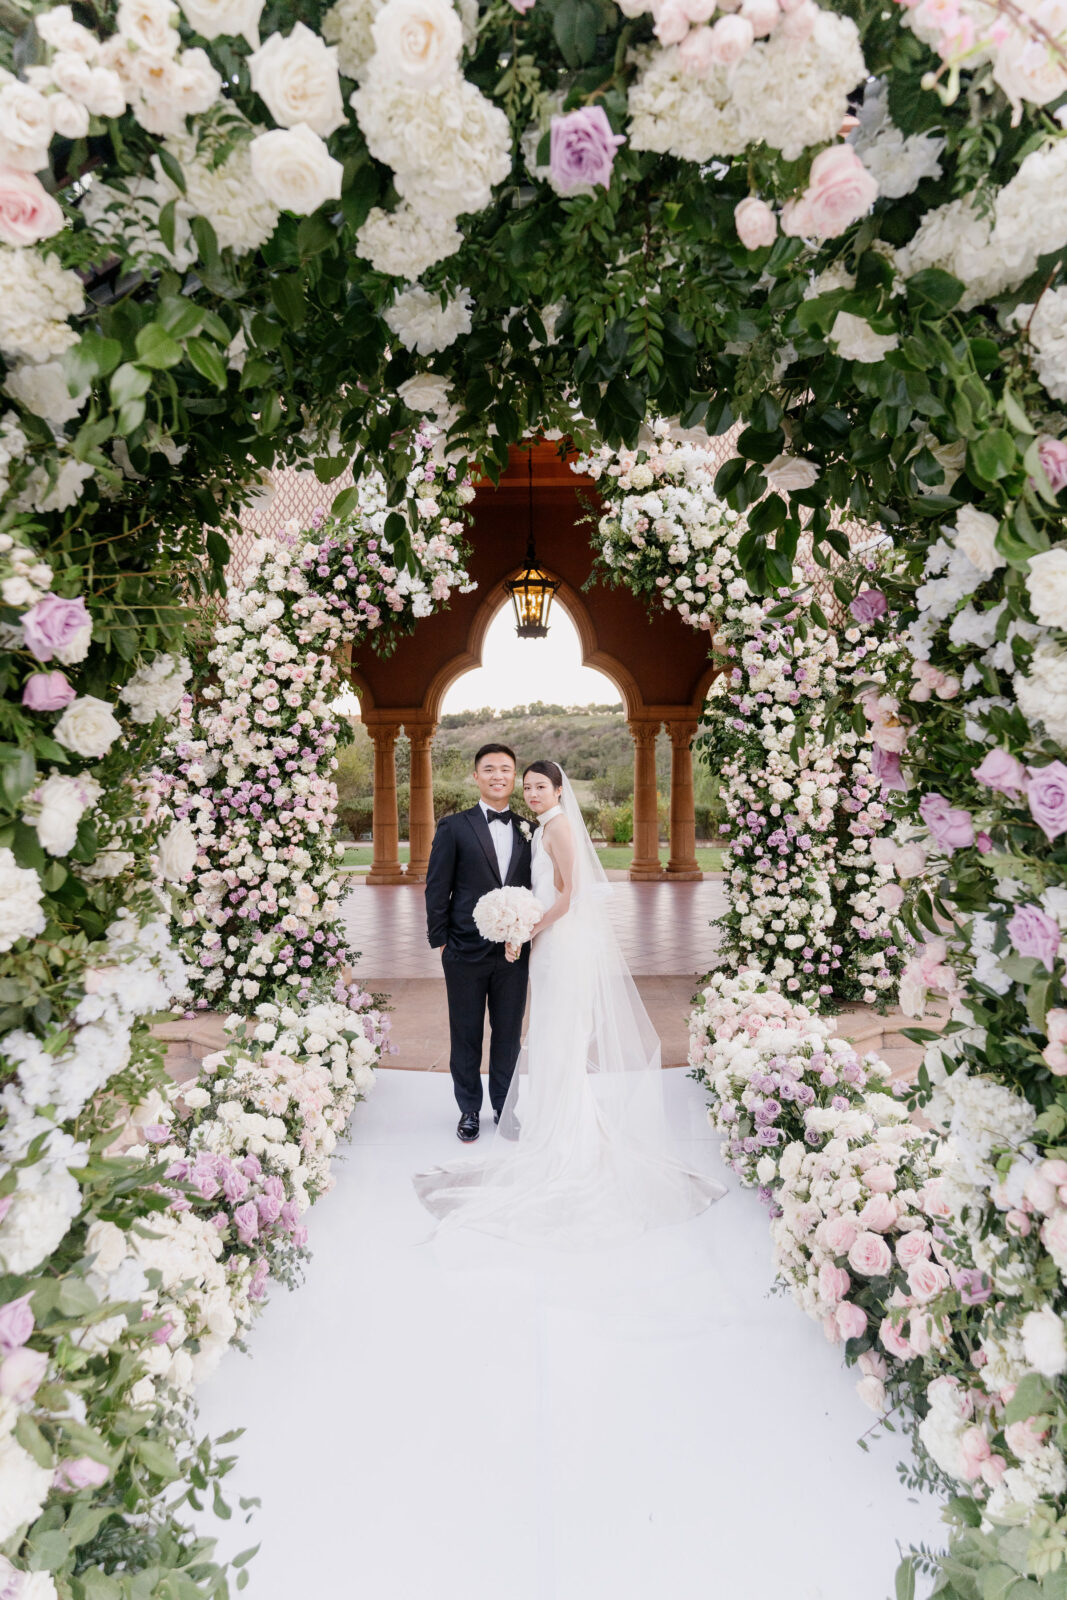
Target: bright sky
{"x": 515, "y": 671}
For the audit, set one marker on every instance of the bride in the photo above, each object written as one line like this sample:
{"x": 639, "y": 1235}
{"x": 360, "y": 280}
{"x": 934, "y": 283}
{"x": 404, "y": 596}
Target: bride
{"x": 581, "y": 1156}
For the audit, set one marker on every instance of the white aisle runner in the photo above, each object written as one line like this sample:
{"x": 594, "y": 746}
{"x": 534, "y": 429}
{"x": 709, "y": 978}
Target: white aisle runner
{"x": 432, "y": 1423}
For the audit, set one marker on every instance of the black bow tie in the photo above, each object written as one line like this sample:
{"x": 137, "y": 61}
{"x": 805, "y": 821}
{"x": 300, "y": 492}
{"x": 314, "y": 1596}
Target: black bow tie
{"x": 498, "y": 816}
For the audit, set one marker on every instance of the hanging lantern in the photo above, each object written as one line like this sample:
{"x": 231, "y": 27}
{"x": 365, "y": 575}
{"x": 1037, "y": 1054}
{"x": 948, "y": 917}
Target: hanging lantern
{"x": 532, "y": 591}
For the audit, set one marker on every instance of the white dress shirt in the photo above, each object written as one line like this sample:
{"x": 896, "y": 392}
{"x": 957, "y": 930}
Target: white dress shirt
{"x": 501, "y": 835}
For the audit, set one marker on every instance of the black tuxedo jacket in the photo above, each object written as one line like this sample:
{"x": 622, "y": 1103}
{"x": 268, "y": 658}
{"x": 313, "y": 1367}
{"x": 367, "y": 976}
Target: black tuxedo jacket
{"x": 462, "y": 868}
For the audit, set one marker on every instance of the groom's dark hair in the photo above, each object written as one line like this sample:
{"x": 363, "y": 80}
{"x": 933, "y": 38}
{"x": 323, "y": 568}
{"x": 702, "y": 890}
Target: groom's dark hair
{"x": 495, "y": 750}
{"x": 547, "y": 769}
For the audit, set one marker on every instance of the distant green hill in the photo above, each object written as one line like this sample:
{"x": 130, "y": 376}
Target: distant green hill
{"x": 588, "y": 741}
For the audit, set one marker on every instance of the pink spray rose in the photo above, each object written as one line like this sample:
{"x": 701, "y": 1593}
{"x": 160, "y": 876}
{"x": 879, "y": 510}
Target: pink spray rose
{"x": 28, "y": 213}
{"x": 47, "y": 691}
{"x": 1002, "y": 772}
{"x": 732, "y": 38}
{"x": 21, "y": 1374}
{"x": 80, "y": 1472}
{"x": 55, "y": 627}
{"x": 1055, "y": 1052}
{"x": 1052, "y": 454}
{"x": 951, "y": 826}
{"x": 1034, "y": 933}
{"x": 851, "y": 1320}
{"x": 755, "y": 222}
{"x": 1046, "y": 796}
{"x": 870, "y": 1256}
{"x": 840, "y": 191}
{"x": 16, "y": 1324}
{"x": 582, "y": 149}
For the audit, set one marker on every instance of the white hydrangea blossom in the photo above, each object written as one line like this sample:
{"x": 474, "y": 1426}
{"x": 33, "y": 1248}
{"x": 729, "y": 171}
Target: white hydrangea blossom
{"x": 421, "y": 323}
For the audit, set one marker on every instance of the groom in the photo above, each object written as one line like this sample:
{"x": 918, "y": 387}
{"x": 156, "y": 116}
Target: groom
{"x": 473, "y": 852}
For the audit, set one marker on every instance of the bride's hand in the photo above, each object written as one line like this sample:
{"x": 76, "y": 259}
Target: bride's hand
{"x": 512, "y": 952}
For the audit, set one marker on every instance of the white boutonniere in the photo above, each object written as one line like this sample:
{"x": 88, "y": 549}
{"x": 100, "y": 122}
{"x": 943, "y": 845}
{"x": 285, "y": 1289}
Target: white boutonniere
{"x": 524, "y": 829}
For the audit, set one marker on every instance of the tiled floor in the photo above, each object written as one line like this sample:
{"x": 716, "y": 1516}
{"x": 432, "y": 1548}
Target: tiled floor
{"x": 663, "y": 929}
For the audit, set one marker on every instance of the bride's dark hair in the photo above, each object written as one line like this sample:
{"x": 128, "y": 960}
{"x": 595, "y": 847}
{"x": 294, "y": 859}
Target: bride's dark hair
{"x": 547, "y": 769}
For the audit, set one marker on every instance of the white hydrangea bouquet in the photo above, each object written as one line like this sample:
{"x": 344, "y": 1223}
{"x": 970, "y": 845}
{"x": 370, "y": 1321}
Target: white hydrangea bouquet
{"x": 508, "y": 915}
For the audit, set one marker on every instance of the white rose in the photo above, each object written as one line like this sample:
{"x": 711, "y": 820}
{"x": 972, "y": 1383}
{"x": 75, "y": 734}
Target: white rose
{"x": 177, "y": 853}
{"x": 24, "y": 1487}
{"x": 426, "y": 391}
{"x": 418, "y": 40}
{"x": 1025, "y": 67}
{"x": 62, "y": 801}
{"x": 1046, "y": 584}
{"x": 295, "y": 170}
{"x": 150, "y": 25}
{"x": 16, "y": 1585}
{"x": 235, "y": 18}
{"x": 88, "y": 727}
{"x": 25, "y": 126}
{"x": 58, "y": 28}
{"x": 856, "y": 340}
{"x": 20, "y": 901}
{"x": 70, "y": 119}
{"x": 43, "y": 390}
{"x": 419, "y": 322}
{"x": 108, "y": 1244}
{"x": 1043, "y": 1343}
{"x": 786, "y": 473}
{"x": 297, "y": 80}
{"x": 976, "y": 533}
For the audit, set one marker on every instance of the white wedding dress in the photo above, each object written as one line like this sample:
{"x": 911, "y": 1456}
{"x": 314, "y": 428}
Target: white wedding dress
{"x": 591, "y": 1165}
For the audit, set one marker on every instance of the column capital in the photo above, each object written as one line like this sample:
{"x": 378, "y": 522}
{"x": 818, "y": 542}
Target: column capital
{"x": 383, "y": 732}
{"x": 644, "y": 733}
{"x": 421, "y": 734}
{"x": 682, "y": 730}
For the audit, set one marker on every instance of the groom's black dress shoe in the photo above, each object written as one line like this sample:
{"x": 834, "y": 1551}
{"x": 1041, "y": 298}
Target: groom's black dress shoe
{"x": 508, "y": 1124}
{"x": 468, "y": 1127}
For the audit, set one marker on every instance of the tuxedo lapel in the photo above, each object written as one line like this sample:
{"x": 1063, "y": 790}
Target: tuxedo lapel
{"x": 476, "y": 817}
{"x": 520, "y": 851}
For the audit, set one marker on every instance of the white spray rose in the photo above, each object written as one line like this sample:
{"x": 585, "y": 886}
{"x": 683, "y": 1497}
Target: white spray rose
{"x": 295, "y": 170}
{"x": 25, "y": 126}
{"x": 1046, "y": 584}
{"x": 297, "y": 80}
{"x": 88, "y": 727}
{"x": 108, "y": 1244}
{"x": 60, "y": 804}
{"x": 235, "y": 18}
{"x": 150, "y": 25}
{"x": 177, "y": 853}
{"x": 1043, "y": 1342}
{"x": 976, "y": 533}
{"x": 856, "y": 340}
{"x": 426, "y": 391}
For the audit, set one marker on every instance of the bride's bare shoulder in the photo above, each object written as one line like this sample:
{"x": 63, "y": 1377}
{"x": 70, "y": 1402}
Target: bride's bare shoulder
{"x": 558, "y": 830}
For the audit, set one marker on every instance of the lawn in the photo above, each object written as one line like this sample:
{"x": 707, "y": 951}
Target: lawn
{"x": 358, "y": 857}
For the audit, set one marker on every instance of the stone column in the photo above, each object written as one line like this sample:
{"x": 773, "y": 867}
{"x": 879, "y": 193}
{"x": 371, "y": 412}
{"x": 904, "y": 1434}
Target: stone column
{"x": 682, "y": 862}
{"x": 421, "y": 825}
{"x": 385, "y": 865}
{"x": 645, "y": 863}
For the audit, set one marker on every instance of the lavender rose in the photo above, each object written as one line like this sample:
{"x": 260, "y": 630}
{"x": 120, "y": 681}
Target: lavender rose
{"x": 16, "y": 1324}
{"x": 869, "y": 605}
{"x": 1047, "y": 797}
{"x": 885, "y": 766}
{"x": 55, "y": 627}
{"x": 47, "y": 691}
{"x": 1052, "y": 454}
{"x": 1002, "y": 772}
{"x": 951, "y": 826}
{"x": 582, "y": 150}
{"x": 1034, "y": 933}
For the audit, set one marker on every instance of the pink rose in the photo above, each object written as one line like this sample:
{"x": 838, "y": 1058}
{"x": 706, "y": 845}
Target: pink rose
{"x": 834, "y": 1282}
{"x": 910, "y": 861}
{"x": 1002, "y": 772}
{"x": 951, "y": 826}
{"x": 755, "y": 222}
{"x": 1025, "y": 1438}
{"x": 837, "y": 1234}
{"x": 871, "y": 1391}
{"x": 80, "y": 1472}
{"x": 21, "y": 1374}
{"x": 872, "y": 1365}
{"x": 16, "y": 1323}
{"x": 974, "y": 1449}
{"x": 880, "y": 1178}
{"x": 672, "y": 22}
{"x": 56, "y": 627}
{"x": 1054, "y": 1235}
{"x": 1046, "y": 796}
{"x": 894, "y": 1341}
{"x": 28, "y": 213}
{"x": 732, "y": 38}
{"x": 696, "y": 55}
{"x": 890, "y": 896}
{"x": 1034, "y": 933}
{"x": 1055, "y": 1052}
{"x": 870, "y": 1256}
{"x": 1018, "y": 1223}
{"x": 840, "y": 191}
{"x": 247, "y": 1220}
{"x": 851, "y": 1320}
{"x": 879, "y": 1214}
{"x": 763, "y": 15}
{"x": 912, "y": 1247}
{"x": 47, "y": 691}
{"x": 582, "y": 149}
{"x": 885, "y": 766}
{"x": 1052, "y": 454}
{"x": 919, "y": 1332}
{"x": 869, "y": 605}
{"x": 926, "y": 1279}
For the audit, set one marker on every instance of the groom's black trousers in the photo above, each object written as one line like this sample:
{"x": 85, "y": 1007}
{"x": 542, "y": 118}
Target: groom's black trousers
{"x": 471, "y": 983}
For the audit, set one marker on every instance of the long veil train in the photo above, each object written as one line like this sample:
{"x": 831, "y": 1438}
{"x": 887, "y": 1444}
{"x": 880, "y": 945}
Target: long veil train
{"x": 592, "y": 1164}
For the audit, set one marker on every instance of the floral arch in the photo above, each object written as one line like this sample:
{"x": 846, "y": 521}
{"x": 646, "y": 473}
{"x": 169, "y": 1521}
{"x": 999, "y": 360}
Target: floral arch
{"x": 231, "y": 241}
